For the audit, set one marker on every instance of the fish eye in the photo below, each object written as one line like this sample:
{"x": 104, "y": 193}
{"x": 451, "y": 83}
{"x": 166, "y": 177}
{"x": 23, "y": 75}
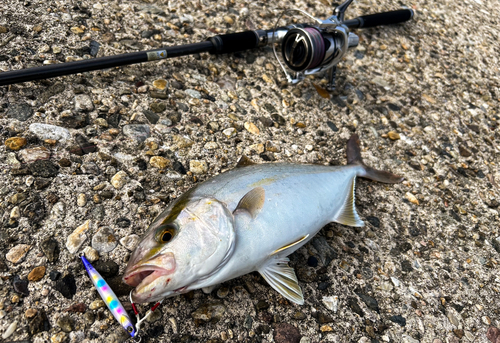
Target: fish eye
{"x": 167, "y": 236}
{"x": 165, "y": 233}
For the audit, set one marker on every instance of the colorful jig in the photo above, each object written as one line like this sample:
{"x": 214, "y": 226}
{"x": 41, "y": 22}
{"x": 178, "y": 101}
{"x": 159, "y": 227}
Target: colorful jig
{"x": 110, "y": 298}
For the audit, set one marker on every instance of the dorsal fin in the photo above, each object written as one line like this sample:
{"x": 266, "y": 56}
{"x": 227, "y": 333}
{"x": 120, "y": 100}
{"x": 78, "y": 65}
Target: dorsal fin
{"x": 244, "y": 161}
{"x": 252, "y": 202}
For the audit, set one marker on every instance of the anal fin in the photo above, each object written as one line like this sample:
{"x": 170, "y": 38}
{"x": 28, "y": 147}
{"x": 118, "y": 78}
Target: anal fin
{"x": 347, "y": 215}
{"x": 282, "y": 278}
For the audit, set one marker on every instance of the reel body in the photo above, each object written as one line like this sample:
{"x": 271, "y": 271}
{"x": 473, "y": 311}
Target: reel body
{"x": 311, "y": 48}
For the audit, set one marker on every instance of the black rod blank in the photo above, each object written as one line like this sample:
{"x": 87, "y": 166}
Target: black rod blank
{"x": 54, "y": 70}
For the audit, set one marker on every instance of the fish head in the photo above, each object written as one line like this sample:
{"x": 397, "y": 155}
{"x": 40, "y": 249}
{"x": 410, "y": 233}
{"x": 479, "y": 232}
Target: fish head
{"x": 185, "y": 244}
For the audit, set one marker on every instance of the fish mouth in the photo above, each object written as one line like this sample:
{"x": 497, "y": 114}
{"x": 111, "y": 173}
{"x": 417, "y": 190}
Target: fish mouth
{"x": 144, "y": 274}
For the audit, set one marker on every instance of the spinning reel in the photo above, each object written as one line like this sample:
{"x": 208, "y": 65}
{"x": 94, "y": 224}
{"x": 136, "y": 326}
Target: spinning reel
{"x": 319, "y": 46}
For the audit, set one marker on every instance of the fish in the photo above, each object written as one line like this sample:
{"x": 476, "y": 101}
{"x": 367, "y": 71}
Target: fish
{"x": 243, "y": 220}
{"x": 110, "y": 299}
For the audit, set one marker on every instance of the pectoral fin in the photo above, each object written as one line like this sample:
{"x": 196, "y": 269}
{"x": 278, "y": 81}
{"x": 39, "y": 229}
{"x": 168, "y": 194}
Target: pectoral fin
{"x": 282, "y": 278}
{"x": 347, "y": 215}
{"x": 252, "y": 202}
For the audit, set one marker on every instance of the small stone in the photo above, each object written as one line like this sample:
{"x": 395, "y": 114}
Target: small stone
{"x": 198, "y": 167}
{"x": 44, "y": 168}
{"x": 393, "y": 135}
{"x": 331, "y": 303}
{"x": 81, "y": 200}
{"x": 464, "y": 152}
{"x": 182, "y": 142}
{"x": 66, "y": 286}
{"x": 76, "y": 239}
{"x": 158, "y": 107}
{"x": 398, "y": 320}
{"x": 107, "y": 269}
{"x": 101, "y": 122}
{"x": 42, "y": 183}
{"x": 77, "y": 308}
{"x": 77, "y": 30}
{"x": 411, "y": 198}
{"x": 17, "y": 253}
{"x": 59, "y": 337}
{"x": 209, "y": 312}
{"x": 370, "y": 302}
{"x": 230, "y": 132}
{"x": 228, "y": 20}
{"x": 159, "y": 162}
{"x": 30, "y": 313}
{"x": 119, "y": 179}
{"x": 21, "y": 112}
{"x": 160, "y": 84}
{"x": 286, "y": 333}
{"x": 261, "y": 305}
{"x": 12, "y": 327}
{"x": 193, "y": 93}
{"x": 65, "y": 323}
{"x": 15, "y": 298}
{"x": 104, "y": 240}
{"x": 39, "y": 323}
{"x": 96, "y": 304}
{"x": 130, "y": 242}
{"x": 50, "y": 248}
{"x": 211, "y": 146}
{"x": 46, "y": 131}
{"x": 33, "y": 154}
{"x": 151, "y": 116}
{"x": 326, "y": 328}
{"x": 83, "y": 103}
{"x": 15, "y": 143}
{"x": 137, "y": 132}
{"x": 493, "y": 334}
{"x": 36, "y": 274}
{"x": 3, "y": 29}
{"x": 91, "y": 254}
{"x": 15, "y": 213}
{"x": 20, "y": 286}
{"x": 252, "y": 128}
{"x": 223, "y": 292}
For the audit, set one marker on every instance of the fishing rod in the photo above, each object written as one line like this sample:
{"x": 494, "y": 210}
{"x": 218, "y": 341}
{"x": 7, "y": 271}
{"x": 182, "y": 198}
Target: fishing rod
{"x": 304, "y": 49}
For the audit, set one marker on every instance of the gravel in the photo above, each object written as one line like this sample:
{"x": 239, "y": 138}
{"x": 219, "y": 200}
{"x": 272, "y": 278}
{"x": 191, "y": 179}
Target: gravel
{"x": 77, "y": 172}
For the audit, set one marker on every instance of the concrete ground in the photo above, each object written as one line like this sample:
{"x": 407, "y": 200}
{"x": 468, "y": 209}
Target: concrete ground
{"x": 423, "y": 97}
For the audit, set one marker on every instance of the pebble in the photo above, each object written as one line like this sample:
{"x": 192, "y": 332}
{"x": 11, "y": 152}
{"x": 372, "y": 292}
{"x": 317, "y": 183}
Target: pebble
{"x": 286, "y": 333}
{"x": 155, "y": 316}
{"x": 252, "y": 128}
{"x": 76, "y": 239}
{"x": 21, "y": 112}
{"x": 66, "y": 286}
{"x": 83, "y": 103}
{"x": 39, "y": 323}
{"x": 20, "y": 286}
{"x": 198, "y": 167}
{"x": 411, "y": 198}
{"x": 228, "y": 20}
{"x": 393, "y": 135}
{"x": 398, "y": 320}
{"x": 94, "y": 305}
{"x": 230, "y": 132}
{"x": 15, "y": 143}
{"x": 104, "y": 240}
{"x": 158, "y": 107}
{"x": 81, "y": 200}
{"x": 151, "y": 116}
{"x": 15, "y": 213}
{"x": 30, "y": 313}
{"x": 182, "y": 142}
{"x": 107, "y": 269}
{"x": 37, "y": 273}
{"x": 91, "y": 254}
{"x": 137, "y": 132}
{"x": 119, "y": 179}
{"x": 66, "y": 323}
{"x": 159, "y": 162}
{"x": 193, "y": 93}
{"x": 46, "y": 131}
{"x": 326, "y": 328}
{"x": 50, "y": 248}
{"x": 209, "y": 312}
{"x": 211, "y": 146}
{"x": 17, "y": 253}
{"x": 33, "y": 154}
{"x": 160, "y": 84}
{"x": 493, "y": 334}
{"x": 44, "y": 168}
{"x": 331, "y": 303}
{"x": 10, "y": 330}
{"x": 59, "y": 337}
{"x": 130, "y": 242}
{"x": 453, "y": 319}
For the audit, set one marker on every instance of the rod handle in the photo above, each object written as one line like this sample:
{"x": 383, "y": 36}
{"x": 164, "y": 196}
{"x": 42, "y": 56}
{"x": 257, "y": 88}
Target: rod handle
{"x": 379, "y": 19}
{"x": 233, "y": 42}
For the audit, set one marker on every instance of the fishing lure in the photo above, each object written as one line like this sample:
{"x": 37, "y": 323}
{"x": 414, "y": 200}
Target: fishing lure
{"x": 109, "y": 298}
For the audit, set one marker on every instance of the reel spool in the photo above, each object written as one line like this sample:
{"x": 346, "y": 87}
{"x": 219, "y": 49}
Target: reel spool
{"x": 311, "y": 48}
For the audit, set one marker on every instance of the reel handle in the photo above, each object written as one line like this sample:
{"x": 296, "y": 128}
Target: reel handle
{"x": 379, "y": 19}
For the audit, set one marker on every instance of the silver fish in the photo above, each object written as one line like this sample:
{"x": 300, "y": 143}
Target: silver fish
{"x": 244, "y": 220}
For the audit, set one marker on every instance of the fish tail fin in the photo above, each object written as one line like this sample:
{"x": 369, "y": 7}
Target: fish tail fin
{"x": 354, "y": 157}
